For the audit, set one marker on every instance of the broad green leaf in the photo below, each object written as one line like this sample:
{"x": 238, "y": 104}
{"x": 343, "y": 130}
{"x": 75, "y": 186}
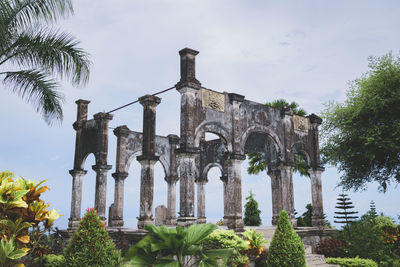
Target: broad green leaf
{"x": 197, "y": 232}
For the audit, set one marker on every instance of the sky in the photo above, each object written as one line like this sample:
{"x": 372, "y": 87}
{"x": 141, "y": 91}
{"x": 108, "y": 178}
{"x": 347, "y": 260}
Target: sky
{"x": 303, "y": 51}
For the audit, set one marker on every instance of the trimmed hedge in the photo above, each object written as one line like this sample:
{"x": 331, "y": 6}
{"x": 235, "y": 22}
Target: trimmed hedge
{"x": 50, "y": 260}
{"x": 352, "y": 262}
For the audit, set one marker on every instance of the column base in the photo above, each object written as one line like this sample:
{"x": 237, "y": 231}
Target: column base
{"x": 73, "y": 223}
{"x": 317, "y": 222}
{"x": 234, "y": 223}
{"x": 170, "y": 222}
{"x": 186, "y": 221}
{"x": 116, "y": 223}
{"x": 142, "y": 222}
{"x": 201, "y": 220}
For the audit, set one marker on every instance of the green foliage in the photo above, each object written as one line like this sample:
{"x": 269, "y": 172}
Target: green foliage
{"x": 305, "y": 219}
{"x": 50, "y": 260}
{"x": 362, "y": 135}
{"x": 251, "y": 211}
{"x": 222, "y": 238}
{"x": 352, "y": 262}
{"x": 344, "y": 215}
{"x": 283, "y": 104}
{"x": 286, "y": 248}
{"x": 256, "y": 247}
{"x": 176, "y": 247}
{"x": 21, "y": 209}
{"x": 32, "y": 53}
{"x": 372, "y": 209}
{"x": 91, "y": 245}
{"x": 331, "y": 247}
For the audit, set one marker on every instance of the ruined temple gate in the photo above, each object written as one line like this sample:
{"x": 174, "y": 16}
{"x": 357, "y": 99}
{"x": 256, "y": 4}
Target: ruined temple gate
{"x": 242, "y": 126}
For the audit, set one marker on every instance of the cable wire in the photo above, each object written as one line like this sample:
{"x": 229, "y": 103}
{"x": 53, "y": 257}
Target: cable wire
{"x": 131, "y": 103}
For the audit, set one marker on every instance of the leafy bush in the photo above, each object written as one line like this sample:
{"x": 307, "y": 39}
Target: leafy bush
{"x": 305, "y": 219}
{"x": 286, "y": 248}
{"x": 352, "y": 262}
{"x": 176, "y": 247}
{"x": 21, "y": 210}
{"x": 331, "y": 247}
{"x": 390, "y": 263}
{"x": 50, "y": 260}
{"x": 256, "y": 248}
{"x": 221, "y": 238}
{"x": 91, "y": 245}
{"x": 251, "y": 211}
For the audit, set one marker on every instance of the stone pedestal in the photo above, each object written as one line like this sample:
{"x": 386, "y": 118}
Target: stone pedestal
{"x": 117, "y": 217}
{"x": 160, "y": 215}
{"x": 76, "y": 199}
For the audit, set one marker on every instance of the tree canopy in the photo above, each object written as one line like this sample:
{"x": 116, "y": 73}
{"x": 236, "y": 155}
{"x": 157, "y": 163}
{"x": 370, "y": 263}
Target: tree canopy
{"x": 361, "y": 136}
{"x": 32, "y": 54}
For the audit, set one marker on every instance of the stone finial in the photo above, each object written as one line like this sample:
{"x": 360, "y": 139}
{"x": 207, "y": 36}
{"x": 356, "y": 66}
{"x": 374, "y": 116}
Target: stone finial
{"x": 82, "y": 109}
{"x": 173, "y": 139}
{"x": 188, "y": 69}
{"x": 103, "y": 116}
{"x": 314, "y": 118}
{"x": 122, "y": 131}
{"x": 235, "y": 97}
{"x": 149, "y": 101}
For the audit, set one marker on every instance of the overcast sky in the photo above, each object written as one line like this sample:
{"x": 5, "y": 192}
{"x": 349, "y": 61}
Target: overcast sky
{"x": 303, "y": 51}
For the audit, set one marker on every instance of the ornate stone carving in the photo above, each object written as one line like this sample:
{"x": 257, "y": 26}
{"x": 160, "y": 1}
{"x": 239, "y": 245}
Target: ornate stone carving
{"x": 213, "y": 100}
{"x": 300, "y": 123}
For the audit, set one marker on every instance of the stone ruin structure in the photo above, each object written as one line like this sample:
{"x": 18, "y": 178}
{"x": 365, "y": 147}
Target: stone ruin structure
{"x": 242, "y": 126}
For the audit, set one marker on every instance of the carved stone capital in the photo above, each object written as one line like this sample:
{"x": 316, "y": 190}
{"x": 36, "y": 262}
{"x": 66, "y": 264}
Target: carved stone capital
{"x": 120, "y": 175}
{"x": 103, "y": 116}
{"x": 173, "y": 139}
{"x": 171, "y": 178}
{"x": 77, "y": 172}
{"x": 102, "y": 168}
{"x": 149, "y": 101}
{"x": 314, "y": 119}
{"x": 122, "y": 131}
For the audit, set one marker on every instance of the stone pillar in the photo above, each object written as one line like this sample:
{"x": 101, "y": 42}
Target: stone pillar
{"x": 76, "y": 199}
{"x": 171, "y": 205}
{"x": 286, "y": 172}
{"x": 224, "y": 179}
{"x": 117, "y": 218}
{"x": 201, "y": 201}
{"x": 101, "y": 189}
{"x": 148, "y": 159}
{"x": 233, "y": 216}
{"x": 188, "y": 173}
{"x": 317, "y": 218}
{"x": 276, "y": 192}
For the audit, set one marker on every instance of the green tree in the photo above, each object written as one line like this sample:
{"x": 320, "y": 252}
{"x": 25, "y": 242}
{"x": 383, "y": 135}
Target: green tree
{"x": 372, "y": 209}
{"x": 305, "y": 219}
{"x": 286, "y": 248}
{"x": 257, "y": 162}
{"x": 251, "y": 211}
{"x": 33, "y": 55}
{"x": 362, "y": 135}
{"x": 344, "y": 216}
{"x": 91, "y": 245}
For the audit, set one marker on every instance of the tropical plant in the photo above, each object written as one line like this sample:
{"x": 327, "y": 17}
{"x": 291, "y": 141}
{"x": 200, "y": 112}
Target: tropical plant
{"x": 176, "y": 247}
{"x": 32, "y": 54}
{"x": 91, "y": 245}
{"x": 283, "y": 104}
{"x": 305, "y": 219}
{"x": 361, "y": 136}
{"x": 21, "y": 210}
{"x": 251, "y": 211}
{"x": 286, "y": 248}
{"x": 222, "y": 238}
{"x": 256, "y": 248}
{"x": 50, "y": 260}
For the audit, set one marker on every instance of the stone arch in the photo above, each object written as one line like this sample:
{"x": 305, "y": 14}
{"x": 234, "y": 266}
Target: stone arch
{"x": 84, "y": 157}
{"x": 263, "y": 130}
{"x": 163, "y": 160}
{"x": 301, "y": 148}
{"x": 211, "y": 165}
{"x": 215, "y": 128}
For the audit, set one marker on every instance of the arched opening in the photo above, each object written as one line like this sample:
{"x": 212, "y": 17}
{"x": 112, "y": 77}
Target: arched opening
{"x": 132, "y": 193}
{"x": 88, "y": 184}
{"x": 214, "y": 195}
{"x": 160, "y": 187}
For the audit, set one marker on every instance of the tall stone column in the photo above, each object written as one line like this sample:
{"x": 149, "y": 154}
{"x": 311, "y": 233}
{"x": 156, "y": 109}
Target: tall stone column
{"x": 148, "y": 159}
{"x": 286, "y": 172}
{"x": 188, "y": 173}
{"x": 76, "y": 199}
{"x": 317, "y": 217}
{"x": 224, "y": 179}
{"x": 276, "y": 192}
{"x": 201, "y": 201}
{"x": 101, "y": 189}
{"x": 233, "y": 216}
{"x": 117, "y": 217}
{"x": 171, "y": 201}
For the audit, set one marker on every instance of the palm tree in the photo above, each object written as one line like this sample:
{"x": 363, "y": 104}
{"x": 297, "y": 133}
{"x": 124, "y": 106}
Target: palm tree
{"x": 32, "y": 55}
{"x": 257, "y": 162}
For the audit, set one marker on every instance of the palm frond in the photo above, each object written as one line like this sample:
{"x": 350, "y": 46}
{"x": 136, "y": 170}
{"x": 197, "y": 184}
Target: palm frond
{"x": 36, "y": 88}
{"x": 257, "y": 163}
{"x": 53, "y": 52}
{"x": 22, "y": 14}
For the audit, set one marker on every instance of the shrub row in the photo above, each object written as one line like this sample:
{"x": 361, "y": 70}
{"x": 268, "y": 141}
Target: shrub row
{"x": 352, "y": 262}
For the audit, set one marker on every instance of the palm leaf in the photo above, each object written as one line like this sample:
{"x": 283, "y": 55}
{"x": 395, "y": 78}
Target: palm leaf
{"x": 196, "y": 233}
{"x": 35, "y": 88}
